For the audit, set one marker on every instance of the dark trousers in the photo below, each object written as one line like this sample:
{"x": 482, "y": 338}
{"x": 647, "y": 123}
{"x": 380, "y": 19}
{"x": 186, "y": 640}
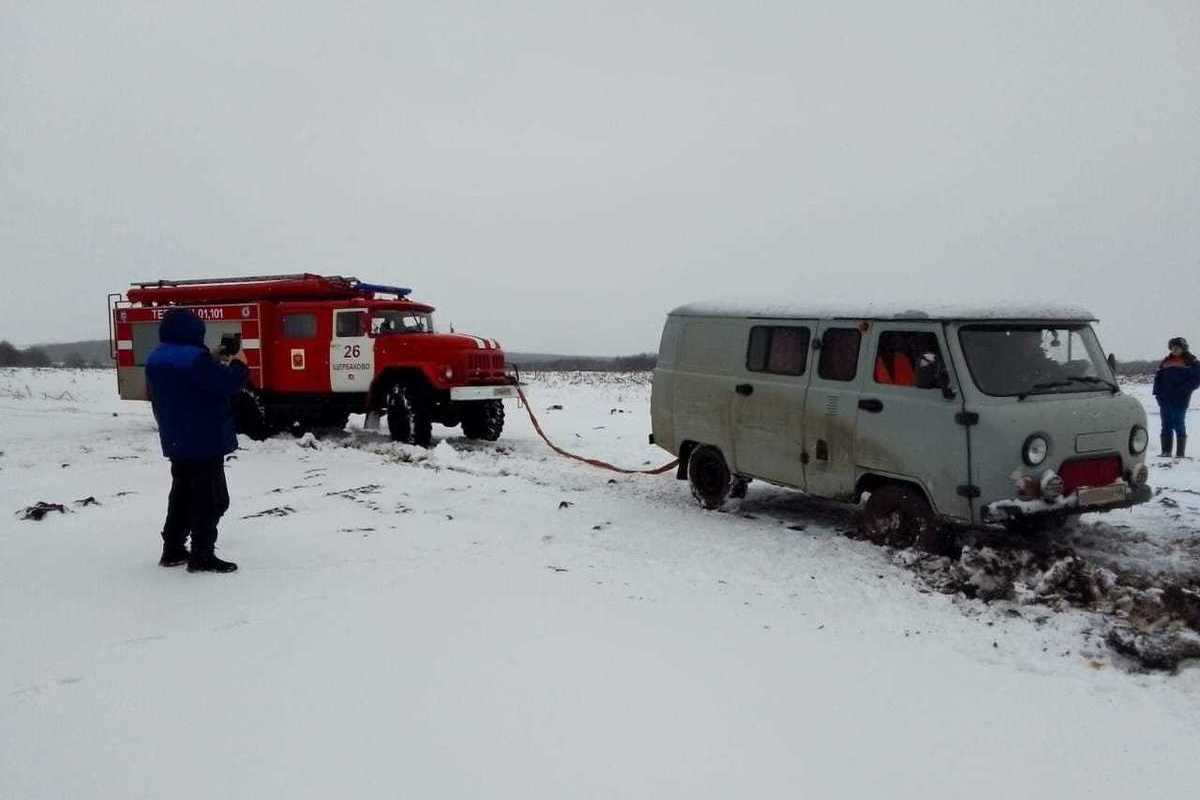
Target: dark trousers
{"x": 1173, "y": 419}
{"x": 198, "y": 498}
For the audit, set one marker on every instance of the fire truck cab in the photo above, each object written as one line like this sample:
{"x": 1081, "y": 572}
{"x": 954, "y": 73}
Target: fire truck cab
{"x": 321, "y": 348}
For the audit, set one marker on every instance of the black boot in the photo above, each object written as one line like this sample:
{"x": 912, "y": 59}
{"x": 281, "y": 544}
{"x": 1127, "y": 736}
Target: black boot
{"x": 1167, "y": 440}
{"x": 210, "y": 563}
{"x": 173, "y": 555}
{"x": 1181, "y": 447}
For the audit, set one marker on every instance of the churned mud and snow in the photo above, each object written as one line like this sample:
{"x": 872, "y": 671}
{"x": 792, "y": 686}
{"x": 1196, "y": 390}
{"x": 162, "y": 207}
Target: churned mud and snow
{"x": 494, "y": 620}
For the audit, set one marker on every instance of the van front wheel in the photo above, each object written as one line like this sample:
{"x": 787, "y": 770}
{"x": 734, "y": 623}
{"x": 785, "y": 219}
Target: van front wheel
{"x": 709, "y": 476}
{"x": 898, "y": 516}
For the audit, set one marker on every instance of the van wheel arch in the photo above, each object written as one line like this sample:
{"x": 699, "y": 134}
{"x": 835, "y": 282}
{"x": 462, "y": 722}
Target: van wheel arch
{"x": 898, "y": 513}
{"x": 872, "y": 482}
{"x": 685, "y": 452}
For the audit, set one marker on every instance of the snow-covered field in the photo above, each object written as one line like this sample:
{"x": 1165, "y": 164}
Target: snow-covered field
{"x": 494, "y": 620}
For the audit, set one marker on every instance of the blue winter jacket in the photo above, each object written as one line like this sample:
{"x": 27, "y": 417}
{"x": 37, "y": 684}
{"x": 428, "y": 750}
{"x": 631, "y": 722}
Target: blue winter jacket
{"x": 191, "y": 391}
{"x": 1173, "y": 386}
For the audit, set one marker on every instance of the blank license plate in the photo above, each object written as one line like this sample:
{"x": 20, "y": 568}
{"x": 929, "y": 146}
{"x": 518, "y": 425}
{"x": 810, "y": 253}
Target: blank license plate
{"x": 1102, "y": 495}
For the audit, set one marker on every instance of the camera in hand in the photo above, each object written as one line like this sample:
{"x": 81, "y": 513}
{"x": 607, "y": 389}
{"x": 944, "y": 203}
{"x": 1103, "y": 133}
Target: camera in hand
{"x": 231, "y": 343}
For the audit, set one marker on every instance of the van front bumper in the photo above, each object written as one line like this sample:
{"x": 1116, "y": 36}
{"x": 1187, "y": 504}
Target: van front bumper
{"x": 1085, "y": 501}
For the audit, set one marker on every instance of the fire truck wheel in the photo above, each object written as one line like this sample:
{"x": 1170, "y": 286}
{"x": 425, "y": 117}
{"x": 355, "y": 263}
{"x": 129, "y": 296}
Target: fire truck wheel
{"x": 409, "y": 415}
{"x": 250, "y": 416}
{"x": 709, "y": 476}
{"x": 332, "y": 421}
{"x": 483, "y": 420}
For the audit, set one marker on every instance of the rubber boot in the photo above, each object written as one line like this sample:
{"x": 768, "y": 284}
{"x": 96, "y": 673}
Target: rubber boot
{"x": 209, "y": 563}
{"x": 173, "y": 555}
{"x": 1181, "y": 447}
{"x": 1167, "y": 440}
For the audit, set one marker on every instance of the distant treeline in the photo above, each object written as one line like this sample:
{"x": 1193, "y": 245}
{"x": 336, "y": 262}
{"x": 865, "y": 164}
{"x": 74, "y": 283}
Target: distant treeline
{"x": 12, "y": 356}
{"x": 635, "y": 363}
{"x": 1131, "y": 368}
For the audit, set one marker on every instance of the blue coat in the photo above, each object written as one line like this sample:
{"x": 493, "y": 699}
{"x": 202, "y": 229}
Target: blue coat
{"x": 191, "y": 391}
{"x": 1173, "y": 386}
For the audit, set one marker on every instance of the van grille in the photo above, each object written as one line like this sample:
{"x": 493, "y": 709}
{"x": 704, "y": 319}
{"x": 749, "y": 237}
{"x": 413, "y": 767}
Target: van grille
{"x": 1079, "y": 472}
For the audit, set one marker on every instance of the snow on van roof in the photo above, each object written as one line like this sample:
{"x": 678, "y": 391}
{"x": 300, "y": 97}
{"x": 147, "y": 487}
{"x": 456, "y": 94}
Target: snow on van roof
{"x": 774, "y": 309}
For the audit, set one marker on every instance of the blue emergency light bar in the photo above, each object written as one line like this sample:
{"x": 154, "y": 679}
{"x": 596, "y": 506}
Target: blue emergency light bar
{"x": 372, "y": 288}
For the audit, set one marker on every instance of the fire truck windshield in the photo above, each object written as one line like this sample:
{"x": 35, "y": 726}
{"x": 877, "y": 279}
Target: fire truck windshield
{"x": 384, "y": 323}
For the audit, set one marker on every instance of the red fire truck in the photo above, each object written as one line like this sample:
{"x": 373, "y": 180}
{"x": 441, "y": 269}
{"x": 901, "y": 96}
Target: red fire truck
{"x": 321, "y": 348}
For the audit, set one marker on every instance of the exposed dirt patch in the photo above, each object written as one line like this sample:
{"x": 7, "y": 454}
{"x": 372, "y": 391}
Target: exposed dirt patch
{"x": 1153, "y": 619}
{"x": 39, "y": 510}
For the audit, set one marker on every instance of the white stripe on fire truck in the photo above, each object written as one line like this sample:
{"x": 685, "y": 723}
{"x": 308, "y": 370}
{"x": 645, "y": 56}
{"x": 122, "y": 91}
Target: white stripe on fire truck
{"x": 125, "y": 344}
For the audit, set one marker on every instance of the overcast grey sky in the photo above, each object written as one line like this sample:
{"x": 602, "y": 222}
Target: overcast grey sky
{"x": 559, "y": 175}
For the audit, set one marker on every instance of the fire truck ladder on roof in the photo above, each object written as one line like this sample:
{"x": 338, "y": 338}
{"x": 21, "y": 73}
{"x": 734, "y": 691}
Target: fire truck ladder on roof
{"x": 338, "y": 281}
{"x": 297, "y": 276}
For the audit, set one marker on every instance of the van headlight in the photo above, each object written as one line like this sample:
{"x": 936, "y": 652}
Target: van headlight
{"x": 1138, "y": 440}
{"x": 1035, "y": 450}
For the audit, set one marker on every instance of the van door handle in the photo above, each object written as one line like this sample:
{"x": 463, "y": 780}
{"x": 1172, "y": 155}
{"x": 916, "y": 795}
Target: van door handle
{"x": 744, "y": 389}
{"x": 871, "y": 404}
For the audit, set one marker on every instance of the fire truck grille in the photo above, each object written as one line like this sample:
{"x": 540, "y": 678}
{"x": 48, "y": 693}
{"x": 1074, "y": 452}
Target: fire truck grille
{"x": 481, "y": 366}
{"x": 1089, "y": 472}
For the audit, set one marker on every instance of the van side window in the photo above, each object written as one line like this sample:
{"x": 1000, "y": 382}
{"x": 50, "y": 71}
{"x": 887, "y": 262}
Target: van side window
{"x": 907, "y": 358}
{"x": 839, "y": 354}
{"x": 781, "y": 349}
{"x": 299, "y": 326}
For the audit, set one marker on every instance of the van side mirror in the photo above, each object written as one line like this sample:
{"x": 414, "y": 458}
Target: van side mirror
{"x": 1112, "y": 363}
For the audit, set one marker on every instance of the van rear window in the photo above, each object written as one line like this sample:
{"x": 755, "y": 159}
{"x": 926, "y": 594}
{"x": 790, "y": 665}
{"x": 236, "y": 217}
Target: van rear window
{"x": 839, "y": 354}
{"x": 780, "y": 349}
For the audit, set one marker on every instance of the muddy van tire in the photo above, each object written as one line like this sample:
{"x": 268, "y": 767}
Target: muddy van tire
{"x": 483, "y": 420}
{"x": 899, "y": 516}
{"x": 409, "y": 417}
{"x": 709, "y": 476}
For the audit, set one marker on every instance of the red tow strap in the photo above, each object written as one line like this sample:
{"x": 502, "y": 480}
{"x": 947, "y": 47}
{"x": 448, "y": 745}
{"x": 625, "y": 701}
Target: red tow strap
{"x": 592, "y": 461}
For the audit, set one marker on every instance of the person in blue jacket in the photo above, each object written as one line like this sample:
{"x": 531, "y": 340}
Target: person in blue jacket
{"x": 1177, "y": 377}
{"x": 191, "y": 392}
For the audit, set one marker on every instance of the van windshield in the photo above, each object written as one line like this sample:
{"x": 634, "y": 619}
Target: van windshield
{"x": 1024, "y": 360}
{"x": 388, "y": 322}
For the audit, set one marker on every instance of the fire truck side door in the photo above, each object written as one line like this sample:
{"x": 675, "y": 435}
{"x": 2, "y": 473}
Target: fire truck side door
{"x": 298, "y": 362}
{"x": 351, "y": 351}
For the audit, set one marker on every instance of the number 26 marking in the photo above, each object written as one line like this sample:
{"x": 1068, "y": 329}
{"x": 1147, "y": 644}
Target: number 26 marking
{"x": 352, "y": 351}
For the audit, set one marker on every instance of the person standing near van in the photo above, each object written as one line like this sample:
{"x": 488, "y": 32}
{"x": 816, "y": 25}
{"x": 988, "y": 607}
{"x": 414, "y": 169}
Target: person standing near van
{"x": 1177, "y": 377}
{"x": 191, "y": 393}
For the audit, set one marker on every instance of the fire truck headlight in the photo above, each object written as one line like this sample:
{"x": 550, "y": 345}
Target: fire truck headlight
{"x": 448, "y": 372}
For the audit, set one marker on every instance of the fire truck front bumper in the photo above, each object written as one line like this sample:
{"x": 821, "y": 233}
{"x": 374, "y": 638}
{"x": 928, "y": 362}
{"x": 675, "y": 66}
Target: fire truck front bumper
{"x": 469, "y": 393}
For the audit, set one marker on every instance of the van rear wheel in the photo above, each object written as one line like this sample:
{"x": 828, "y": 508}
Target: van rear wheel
{"x": 898, "y": 516}
{"x": 709, "y": 476}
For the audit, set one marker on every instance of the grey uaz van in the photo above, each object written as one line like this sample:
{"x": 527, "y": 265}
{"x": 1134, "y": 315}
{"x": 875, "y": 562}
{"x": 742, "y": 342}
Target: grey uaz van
{"x": 955, "y": 415}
